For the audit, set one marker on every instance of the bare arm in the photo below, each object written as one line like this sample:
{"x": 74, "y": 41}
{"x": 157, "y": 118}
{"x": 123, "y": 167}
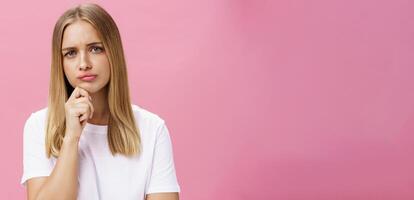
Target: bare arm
{"x": 63, "y": 181}
{"x": 163, "y": 196}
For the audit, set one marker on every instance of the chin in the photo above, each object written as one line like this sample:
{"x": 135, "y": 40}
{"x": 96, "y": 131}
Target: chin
{"x": 91, "y": 88}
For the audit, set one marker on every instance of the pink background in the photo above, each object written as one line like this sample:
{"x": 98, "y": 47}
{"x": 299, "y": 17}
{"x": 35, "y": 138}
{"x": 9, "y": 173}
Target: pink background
{"x": 289, "y": 99}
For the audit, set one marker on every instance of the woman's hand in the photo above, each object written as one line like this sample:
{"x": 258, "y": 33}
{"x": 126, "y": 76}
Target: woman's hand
{"x": 78, "y": 109}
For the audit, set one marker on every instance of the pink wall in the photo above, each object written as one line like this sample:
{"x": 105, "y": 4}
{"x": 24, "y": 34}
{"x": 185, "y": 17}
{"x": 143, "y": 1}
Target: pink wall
{"x": 264, "y": 99}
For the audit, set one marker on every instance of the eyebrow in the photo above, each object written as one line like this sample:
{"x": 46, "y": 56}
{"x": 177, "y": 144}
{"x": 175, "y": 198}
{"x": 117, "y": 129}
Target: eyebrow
{"x": 90, "y": 44}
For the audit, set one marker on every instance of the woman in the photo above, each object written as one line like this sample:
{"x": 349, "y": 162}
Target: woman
{"x": 91, "y": 142}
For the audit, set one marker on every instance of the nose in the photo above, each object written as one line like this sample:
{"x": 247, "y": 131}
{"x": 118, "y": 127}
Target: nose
{"x": 84, "y": 62}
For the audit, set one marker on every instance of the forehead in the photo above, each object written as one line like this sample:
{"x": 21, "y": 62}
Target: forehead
{"x": 79, "y": 33}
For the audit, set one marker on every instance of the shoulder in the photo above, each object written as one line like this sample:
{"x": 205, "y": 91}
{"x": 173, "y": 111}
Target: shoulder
{"x": 37, "y": 118}
{"x": 149, "y": 123}
{"x": 145, "y": 116}
{"x": 34, "y": 127}
{"x": 139, "y": 112}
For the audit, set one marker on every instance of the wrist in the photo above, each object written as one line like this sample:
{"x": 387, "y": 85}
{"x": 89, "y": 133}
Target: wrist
{"x": 71, "y": 139}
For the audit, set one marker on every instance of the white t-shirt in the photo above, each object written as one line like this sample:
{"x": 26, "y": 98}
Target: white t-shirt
{"x": 101, "y": 175}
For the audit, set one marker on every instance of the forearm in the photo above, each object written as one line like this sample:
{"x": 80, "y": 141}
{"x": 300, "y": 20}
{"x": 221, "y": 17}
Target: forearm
{"x": 63, "y": 181}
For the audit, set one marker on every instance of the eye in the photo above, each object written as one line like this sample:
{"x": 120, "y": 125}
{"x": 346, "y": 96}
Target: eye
{"x": 96, "y": 49}
{"x": 70, "y": 54}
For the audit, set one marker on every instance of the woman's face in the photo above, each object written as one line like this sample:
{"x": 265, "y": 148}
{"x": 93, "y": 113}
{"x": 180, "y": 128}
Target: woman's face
{"x": 84, "y": 55}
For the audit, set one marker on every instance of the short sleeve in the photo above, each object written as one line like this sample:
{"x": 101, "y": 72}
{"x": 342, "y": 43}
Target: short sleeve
{"x": 163, "y": 177}
{"x": 35, "y": 161}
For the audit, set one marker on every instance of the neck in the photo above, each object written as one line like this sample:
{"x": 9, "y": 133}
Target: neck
{"x": 101, "y": 108}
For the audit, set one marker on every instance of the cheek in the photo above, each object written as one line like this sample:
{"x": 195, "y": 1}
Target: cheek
{"x": 102, "y": 61}
{"x": 104, "y": 67}
{"x": 106, "y": 72}
{"x": 68, "y": 70}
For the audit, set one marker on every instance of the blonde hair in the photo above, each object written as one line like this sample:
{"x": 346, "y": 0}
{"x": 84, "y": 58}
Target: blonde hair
{"x": 123, "y": 133}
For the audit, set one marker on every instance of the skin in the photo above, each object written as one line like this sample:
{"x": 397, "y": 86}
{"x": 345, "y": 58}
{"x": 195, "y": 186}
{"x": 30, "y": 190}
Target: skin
{"x": 82, "y": 52}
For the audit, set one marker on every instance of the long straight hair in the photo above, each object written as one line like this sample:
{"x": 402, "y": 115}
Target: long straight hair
{"x": 123, "y": 133}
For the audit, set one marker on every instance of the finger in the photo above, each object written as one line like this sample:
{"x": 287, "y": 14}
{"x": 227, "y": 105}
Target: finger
{"x": 78, "y": 109}
{"x": 83, "y": 123}
{"x": 74, "y": 93}
{"x": 81, "y": 101}
{"x": 85, "y": 100}
{"x": 85, "y": 114}
{"x": 81, "y": 109}
{"x": 88, "y": 113}
{"x": 82, "y": 93}
{"x": 78, "y": 92}
{"x": 84, "y": 117}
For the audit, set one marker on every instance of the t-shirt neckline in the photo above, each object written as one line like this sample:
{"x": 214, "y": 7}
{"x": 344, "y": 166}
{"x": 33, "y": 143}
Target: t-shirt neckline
{"x": 101, "y": 129}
